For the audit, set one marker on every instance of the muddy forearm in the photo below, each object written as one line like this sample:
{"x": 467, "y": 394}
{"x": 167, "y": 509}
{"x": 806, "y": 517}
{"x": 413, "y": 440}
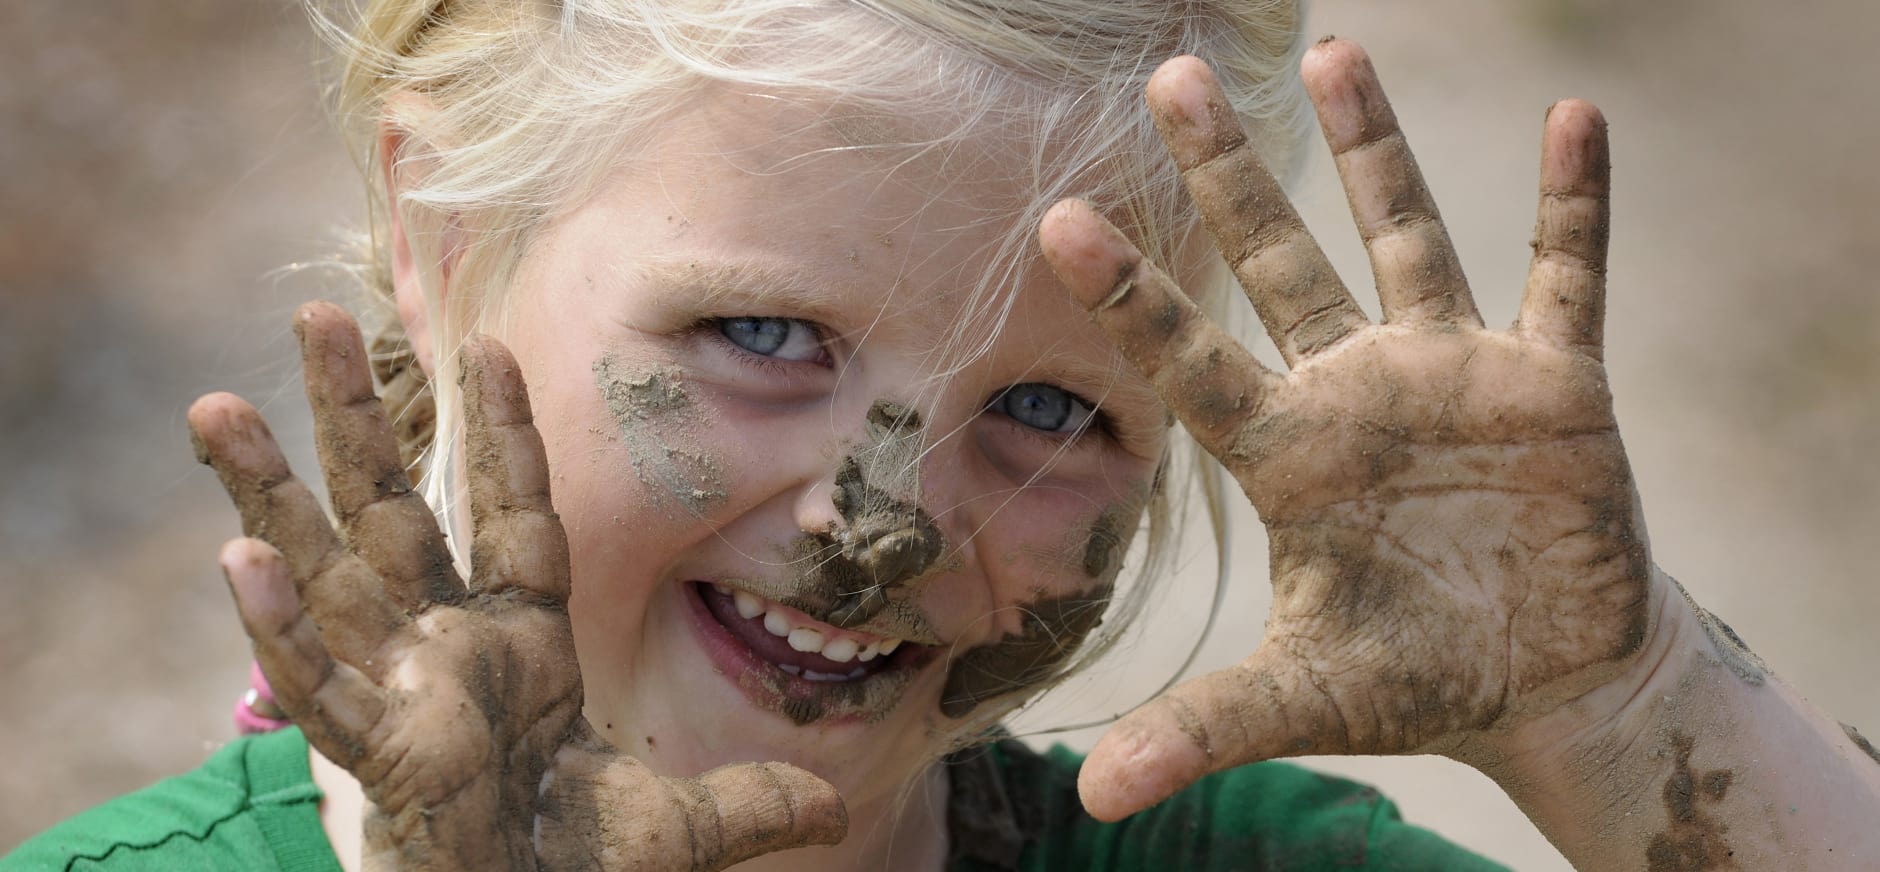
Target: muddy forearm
{"x": 1714, "y": 763}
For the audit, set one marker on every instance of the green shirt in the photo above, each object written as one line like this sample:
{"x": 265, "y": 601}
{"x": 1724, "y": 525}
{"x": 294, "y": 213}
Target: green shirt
{"x": 253, "y": 807}
{"x": 1016, "y": 810}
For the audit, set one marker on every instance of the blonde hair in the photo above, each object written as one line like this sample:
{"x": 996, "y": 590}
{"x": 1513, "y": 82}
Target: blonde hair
{"x": 521, "y": 108}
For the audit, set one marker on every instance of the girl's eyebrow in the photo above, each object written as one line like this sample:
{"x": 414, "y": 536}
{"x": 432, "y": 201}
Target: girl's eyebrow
{"x": 781, "y": 285}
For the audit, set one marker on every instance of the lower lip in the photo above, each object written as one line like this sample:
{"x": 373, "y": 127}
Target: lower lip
{"x": 766, "y": 686}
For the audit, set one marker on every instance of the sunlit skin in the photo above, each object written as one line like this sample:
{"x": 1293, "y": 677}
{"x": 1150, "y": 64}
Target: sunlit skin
{"x": 866, "y": 253}
{"x": 1459, "y": 557}
{"x": 874, "y": 259}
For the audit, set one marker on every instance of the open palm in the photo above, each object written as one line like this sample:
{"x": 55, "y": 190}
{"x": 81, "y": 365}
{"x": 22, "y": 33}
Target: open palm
{"x": 1455, "y": 537}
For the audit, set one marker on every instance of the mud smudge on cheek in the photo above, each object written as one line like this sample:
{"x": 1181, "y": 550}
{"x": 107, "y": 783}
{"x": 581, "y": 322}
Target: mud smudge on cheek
{"x": 1693, "y": 840}
{"x": 1104, "y": 546}
{"x": 656, "y": 419}
{"x": 1052, "y": 631}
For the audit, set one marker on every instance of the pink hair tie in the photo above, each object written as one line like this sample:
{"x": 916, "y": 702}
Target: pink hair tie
{"x": 256, "y": 711}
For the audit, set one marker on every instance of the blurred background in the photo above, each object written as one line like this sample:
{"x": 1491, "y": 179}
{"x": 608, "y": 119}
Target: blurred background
{"x": 164, "y": 162}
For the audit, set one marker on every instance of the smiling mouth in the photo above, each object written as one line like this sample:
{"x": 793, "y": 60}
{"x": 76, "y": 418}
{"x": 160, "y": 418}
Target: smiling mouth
{"x": 807, "y": 670}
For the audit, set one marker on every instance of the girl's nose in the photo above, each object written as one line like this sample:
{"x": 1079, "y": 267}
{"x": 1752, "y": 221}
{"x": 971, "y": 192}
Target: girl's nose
{"x": 878, "y": 537}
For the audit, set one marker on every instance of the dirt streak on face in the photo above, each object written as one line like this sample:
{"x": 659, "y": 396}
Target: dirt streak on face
{"x": 655, "y": 415}
{"x": 850, "y": 576}
{"x": 1052, "y": 629}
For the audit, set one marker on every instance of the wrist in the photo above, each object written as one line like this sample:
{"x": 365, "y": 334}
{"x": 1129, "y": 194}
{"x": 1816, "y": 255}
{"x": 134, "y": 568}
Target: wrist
{"x": 1684, "y": 758}
{"x": 1609, "y": 717}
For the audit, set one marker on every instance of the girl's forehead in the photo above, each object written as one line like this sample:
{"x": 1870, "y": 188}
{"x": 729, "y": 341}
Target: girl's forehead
{"x": 810, "y": 195}
{"x": 845, "y": 156}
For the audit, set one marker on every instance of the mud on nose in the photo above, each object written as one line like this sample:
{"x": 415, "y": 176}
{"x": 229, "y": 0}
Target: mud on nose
{"x": 902, "y": 554}
{"x": 886, "y": 539}
{"x": 877, "y": 563}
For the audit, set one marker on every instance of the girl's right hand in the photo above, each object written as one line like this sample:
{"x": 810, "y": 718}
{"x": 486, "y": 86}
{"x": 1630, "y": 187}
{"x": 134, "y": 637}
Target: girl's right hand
{"x": 457, "y": 707}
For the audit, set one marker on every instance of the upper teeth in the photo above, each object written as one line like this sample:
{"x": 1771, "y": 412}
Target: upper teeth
{"x": 809, "y": 640}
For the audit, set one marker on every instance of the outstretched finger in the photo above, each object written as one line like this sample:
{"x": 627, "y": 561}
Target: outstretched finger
{"x": 1293, "y": 287}
{"x": 1565, "y": 300}
{"x": 519, "y": 540}
{"x": 1256, "y": 710}
{"x": 750, "y": 809}
{"x": 333, "y": 703}
{"x": 385, "y": 522}
{"x": 1211, "y": 383}
{"x": 1419, "y": 277}
{"x": 343, "y": 594}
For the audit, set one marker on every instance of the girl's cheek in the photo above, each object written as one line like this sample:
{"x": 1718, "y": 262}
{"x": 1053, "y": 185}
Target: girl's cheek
{"x": 1055, "y": 621}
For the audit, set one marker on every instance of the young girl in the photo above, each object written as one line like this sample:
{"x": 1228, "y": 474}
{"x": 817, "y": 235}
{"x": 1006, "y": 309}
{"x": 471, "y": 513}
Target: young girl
{"x": 775, "y": 414}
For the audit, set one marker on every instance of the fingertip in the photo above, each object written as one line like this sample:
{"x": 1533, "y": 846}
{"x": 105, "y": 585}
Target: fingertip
{"x": 478, "y": 353}
{"x": 1088, "y": 253}
{"x": 1065, "y": 212}
{"x": 1576, "y": 157}
{"x": 824, "y": 815}
{"x": 492, "y": 378}
{"x": 1345, "y": 90}
{"x": 320, "y": 313}
{"x": 1330, "y": 62}
{"x": 332, "y": 350}
{"x": 774, "y": 806}
{"x": 224, "y": 427}
{"x": 212, "y": 408}
{"x": 204, "y": 414}
{"x": 1576, "y": 113}
{"x": 469, "y": 361}
{"x": 1126, "y": 772}
{"x": 1193, "y": 114}
{"x": 1331, "y": 52}
{"x": 313, "y": 321}
{"x": 1177, "y": 78}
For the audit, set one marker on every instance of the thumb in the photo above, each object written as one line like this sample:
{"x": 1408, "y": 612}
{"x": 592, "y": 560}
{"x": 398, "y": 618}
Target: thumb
{"x": 1261, "y": 708}
{"x": 611, "y": 812}
{"x": 750, "y": 809}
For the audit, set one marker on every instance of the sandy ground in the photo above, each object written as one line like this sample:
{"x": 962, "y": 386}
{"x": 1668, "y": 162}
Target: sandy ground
{"x": 165, "y": 159}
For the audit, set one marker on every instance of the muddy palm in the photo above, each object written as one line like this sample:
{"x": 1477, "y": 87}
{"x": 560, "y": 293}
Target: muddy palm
{"x": 1456, "y": 543}
{"x": 457, "y": 706}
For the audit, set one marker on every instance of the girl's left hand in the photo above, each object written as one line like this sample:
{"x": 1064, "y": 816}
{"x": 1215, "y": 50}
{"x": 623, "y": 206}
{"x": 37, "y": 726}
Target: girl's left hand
{"x": 1456, "y": 542}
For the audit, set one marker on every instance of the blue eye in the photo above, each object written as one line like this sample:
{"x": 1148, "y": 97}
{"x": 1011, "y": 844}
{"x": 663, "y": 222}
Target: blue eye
{"x": 784, "y": 338}
{"x": 1044, "y": 407}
